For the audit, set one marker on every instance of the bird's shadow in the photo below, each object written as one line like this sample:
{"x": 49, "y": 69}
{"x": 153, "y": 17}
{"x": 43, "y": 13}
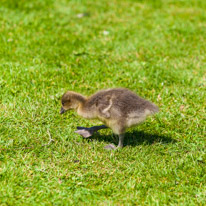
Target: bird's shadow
{"x": 134, "y": 138}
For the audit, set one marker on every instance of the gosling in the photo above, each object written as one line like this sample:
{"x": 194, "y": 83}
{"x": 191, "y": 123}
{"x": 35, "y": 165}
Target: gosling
{"x": 117, "y": 108}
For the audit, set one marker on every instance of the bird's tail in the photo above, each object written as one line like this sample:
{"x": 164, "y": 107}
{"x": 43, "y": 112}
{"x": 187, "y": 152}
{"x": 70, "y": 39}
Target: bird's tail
{"x": 154, "y": 109}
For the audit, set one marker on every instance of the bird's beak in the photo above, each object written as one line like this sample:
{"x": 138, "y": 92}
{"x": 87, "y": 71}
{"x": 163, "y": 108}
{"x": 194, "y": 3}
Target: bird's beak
{"x": 62, "y": 110}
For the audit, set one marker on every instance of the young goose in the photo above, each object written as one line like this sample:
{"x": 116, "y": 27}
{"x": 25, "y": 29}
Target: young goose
{"x": 118, "y": 108}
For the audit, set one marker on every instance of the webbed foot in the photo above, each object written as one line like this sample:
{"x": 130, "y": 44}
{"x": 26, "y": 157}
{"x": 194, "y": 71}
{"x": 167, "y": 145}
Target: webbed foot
{"x": 85, "y": 132}
{"x": 110, "y": 147}
{"x": 88, "y": 132}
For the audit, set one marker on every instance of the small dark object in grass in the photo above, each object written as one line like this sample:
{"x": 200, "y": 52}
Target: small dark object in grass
{"x": 81, "y": 15}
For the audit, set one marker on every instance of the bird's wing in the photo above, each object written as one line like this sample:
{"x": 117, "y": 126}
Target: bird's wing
{"x": 104, "y": 105}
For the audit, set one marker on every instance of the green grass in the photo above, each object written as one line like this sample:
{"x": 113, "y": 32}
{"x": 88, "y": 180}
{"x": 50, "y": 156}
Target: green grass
{"x": 155, "y": 48}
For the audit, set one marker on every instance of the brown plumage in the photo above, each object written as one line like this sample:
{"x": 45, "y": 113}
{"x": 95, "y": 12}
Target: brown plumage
{"x": 118, "y": 108}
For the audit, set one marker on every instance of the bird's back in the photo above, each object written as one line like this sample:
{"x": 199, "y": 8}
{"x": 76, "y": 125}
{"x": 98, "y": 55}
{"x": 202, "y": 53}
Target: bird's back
{"x": 123, "y": 100}
{"x": 128, "y": 102}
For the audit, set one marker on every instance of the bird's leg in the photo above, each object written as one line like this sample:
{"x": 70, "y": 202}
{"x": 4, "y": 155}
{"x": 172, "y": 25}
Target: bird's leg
{"x": 88, "y": 132}
{"x": 121, "y": 140}
{"x": 120, "y": 144}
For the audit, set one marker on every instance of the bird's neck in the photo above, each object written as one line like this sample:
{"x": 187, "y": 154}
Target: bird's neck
{"x": 83, "y": 109}
{"x": 79, "y": 98}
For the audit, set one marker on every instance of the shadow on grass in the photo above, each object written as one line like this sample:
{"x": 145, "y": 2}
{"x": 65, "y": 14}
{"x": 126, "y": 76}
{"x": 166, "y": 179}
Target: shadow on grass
{"x": 134, "y": 138}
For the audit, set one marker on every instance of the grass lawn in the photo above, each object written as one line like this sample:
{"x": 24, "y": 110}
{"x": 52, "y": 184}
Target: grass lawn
{"x": 155, "y": 48}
